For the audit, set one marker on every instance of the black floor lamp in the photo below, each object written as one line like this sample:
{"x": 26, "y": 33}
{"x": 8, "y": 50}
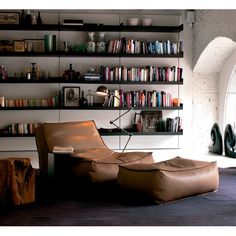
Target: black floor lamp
{"x": 103, "y": 91}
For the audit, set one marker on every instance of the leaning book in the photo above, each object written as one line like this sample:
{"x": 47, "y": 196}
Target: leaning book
{"x": 63, "y": 149}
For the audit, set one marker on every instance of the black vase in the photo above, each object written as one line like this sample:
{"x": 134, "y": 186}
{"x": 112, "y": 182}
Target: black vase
{"x": 39, "y": 20}
{"x": 83, "y": 102}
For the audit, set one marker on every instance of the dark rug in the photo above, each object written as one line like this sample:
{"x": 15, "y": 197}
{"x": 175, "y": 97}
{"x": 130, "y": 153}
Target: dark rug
{"x": 99, "y": 206}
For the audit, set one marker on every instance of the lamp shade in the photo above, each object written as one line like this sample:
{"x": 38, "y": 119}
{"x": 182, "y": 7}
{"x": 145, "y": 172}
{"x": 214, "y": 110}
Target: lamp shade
{"x": 102, "y": 90}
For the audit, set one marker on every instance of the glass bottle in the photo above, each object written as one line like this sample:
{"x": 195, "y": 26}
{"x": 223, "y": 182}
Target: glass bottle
{"x": 1, "y": 72}
{"x": 28, "y": 18}
{"x": 28, "y": 74}
{"x": 34, "y": 20}
{"x": 69, "y": 74}
{"x": 90, "y": 98}
{"x": 90, "y": 44}
{"x": 22, "y": 18}
{"x": 101, "y": 44}
{"x": 5, "y": 75}
{"x": 39, "y": 20}
{"x": 83, "y": 101}
{"x": 33, "y": 71}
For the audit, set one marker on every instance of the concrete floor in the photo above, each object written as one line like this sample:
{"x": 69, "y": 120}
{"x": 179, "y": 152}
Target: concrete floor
{"x": 222, "y": 160}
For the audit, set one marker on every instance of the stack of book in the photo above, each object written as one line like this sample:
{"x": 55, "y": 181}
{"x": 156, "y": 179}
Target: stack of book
{"x": 92, "y": 77}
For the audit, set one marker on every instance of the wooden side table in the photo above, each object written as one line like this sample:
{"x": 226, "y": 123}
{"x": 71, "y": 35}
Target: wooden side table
{"x": 17, "y": 181}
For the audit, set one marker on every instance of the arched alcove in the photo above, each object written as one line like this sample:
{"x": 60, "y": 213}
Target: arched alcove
{"x": 210, "y": 88}
{"x": 227, "y": 92}
{"x": 214, "y": 56}
{"x": 230, "y": 100}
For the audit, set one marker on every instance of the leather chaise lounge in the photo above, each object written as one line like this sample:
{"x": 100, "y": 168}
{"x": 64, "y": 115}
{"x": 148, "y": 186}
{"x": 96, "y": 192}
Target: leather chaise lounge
{"x": 91, "y": 158}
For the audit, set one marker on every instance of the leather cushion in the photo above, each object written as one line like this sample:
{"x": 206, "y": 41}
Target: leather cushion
{"x": 99, "y": 169}
{"x": 81, "y": 135}
{"x": 170, "y": 180}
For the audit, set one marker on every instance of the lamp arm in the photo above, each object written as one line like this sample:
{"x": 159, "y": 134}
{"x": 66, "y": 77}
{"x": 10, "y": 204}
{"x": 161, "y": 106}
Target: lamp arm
{"x": 130, "y": 135}
{"x": 123, "y": 130}
{"x": 112, "y": 122}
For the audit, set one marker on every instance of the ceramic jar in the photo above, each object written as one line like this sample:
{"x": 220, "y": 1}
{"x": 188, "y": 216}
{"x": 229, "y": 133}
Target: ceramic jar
{"x": 90, "y": 44}
{"x": 101, "y": 44}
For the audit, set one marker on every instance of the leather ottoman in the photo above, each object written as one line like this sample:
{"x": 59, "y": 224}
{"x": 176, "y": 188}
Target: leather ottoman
{"x": 17, "y": 181}
{"x": 170, "y": 180}
{"x": 105, "y": 168}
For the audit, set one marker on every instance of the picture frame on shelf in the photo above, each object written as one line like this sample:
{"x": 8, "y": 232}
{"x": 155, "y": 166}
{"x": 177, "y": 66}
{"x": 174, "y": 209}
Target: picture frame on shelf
{"x": 150, "y": 119}
{"x": 10, "y": 18}
{"x": 19, "y": 46}
{"x": 71, "y": 96}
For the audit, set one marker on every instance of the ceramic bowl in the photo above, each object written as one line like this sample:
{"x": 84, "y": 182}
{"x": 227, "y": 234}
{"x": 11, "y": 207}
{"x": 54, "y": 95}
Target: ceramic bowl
{"x": 146, "y": 22}
{"x": 132, "y": 21}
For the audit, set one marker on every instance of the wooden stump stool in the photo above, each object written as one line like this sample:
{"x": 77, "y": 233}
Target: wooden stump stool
{"x": 17, "y": 181}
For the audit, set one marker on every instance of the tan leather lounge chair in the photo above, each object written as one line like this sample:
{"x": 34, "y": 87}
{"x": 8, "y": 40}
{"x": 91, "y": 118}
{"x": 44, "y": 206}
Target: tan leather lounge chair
{"x": 91, "y": 157}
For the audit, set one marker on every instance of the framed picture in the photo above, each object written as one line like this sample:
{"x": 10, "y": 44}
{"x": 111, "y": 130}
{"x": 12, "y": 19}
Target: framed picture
{"x": 9, "y": 17}
{"x": 71, "y": 96}
{"x": 19, "y": 46}
{"x": 150, "y": 119}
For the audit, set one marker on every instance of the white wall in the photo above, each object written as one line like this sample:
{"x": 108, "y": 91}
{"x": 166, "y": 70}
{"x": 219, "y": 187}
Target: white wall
{"x": 162, "y": 146}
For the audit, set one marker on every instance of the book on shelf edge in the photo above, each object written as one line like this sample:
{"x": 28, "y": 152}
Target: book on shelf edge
{"x": 63, "y": 149}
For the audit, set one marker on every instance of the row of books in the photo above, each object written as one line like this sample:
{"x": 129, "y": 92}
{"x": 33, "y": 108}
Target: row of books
{"x": 118, "y": 98}
{"x": 49, "y": 102}
{"x": 132, "y": 46}
{"x": 21, "y": 128}
{"x": 148, "y": 73}
{"x": 169, "y": 125}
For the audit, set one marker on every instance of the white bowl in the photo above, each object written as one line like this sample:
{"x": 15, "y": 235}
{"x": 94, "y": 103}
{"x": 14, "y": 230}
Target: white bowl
{"x": 132, "y": 21}
{"x": 146, "y": 22}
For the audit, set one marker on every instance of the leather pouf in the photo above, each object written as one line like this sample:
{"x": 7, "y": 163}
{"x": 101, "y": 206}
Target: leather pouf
{"x": 170, "y": 180}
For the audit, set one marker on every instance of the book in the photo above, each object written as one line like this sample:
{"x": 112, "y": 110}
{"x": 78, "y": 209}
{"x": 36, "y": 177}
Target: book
{"x": 63, "y": 149}
{"x": 92, "y": 77}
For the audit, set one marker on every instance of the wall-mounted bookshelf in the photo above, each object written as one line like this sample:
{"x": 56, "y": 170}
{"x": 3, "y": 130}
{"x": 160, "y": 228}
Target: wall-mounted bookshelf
{"x": 66, "y": 32}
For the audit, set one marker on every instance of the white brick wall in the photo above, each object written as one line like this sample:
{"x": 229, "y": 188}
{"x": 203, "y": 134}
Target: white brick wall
{"x": 205, "y": 109}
